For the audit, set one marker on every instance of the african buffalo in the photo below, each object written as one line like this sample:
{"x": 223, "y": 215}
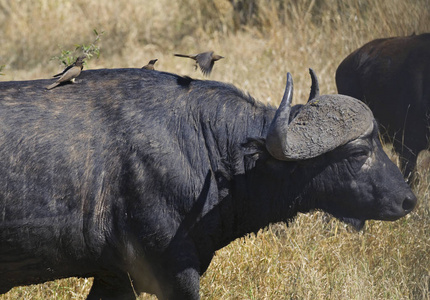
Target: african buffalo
{"x": 138, "y": 176}
{"x": 392, "y": 76}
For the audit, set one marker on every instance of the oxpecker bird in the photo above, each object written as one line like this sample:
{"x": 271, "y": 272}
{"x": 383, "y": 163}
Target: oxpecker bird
{"x": 150, "y": 65}
{"x": 69, "y": 73}
{"x": 205, "y": 60}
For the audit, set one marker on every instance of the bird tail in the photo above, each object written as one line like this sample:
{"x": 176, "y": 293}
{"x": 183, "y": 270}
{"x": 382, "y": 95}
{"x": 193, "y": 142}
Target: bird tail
{"x": 52, "y": 85}
{"x": 183, "y": 55}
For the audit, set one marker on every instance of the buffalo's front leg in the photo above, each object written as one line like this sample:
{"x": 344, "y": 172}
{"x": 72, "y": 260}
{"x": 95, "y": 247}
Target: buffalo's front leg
{"x": 179, "y": 277}
{"x": 111, "y": 288}
{"x": 185, "y": 285}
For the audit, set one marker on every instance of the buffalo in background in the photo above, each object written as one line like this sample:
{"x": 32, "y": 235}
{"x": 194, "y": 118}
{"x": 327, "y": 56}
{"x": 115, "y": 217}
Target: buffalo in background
{"x": 136, "y": 177}
{"x": 392, "y": 75}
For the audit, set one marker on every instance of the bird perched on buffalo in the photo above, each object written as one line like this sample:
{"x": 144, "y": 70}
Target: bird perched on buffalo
{"x": 205, "y": 60}
{"x": 69, "y": 73}
{"x": 150, "y": 65}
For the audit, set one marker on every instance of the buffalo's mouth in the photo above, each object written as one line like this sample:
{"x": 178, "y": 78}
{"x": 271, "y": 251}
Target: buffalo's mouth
{"x": 358, "y": 224}
{"x": 398, "y": 210}
{"x": 392, "y": 212}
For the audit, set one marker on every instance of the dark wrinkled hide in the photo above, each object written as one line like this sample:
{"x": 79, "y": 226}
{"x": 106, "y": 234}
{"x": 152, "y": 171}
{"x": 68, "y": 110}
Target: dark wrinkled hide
{"x": 392, "y": 76}
{"x": 139, "y": 174}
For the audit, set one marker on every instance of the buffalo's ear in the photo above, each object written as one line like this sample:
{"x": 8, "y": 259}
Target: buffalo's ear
{"x": 254, "y": 148}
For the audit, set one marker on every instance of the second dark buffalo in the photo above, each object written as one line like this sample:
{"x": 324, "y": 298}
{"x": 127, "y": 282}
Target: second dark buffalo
{"x": 392, "y": 75}
{"x": 137, "y": 178}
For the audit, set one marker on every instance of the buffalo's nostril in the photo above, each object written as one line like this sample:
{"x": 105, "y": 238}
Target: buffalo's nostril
{"x": 409, "y": 203}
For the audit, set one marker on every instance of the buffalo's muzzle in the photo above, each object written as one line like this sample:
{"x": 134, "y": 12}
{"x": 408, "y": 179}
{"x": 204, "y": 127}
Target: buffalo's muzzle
{"x": 409, "y": 203}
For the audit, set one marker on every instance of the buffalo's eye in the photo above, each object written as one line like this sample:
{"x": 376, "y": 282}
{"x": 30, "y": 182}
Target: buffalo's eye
{"x": 353, "y": 151}
{"x": 360, "y": 153}
{"x": 358, "y": 158}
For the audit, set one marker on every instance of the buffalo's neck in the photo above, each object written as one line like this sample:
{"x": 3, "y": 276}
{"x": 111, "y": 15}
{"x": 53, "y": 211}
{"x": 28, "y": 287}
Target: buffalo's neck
{"x": 252, "y": 193}
{"x": 252, "y": 202}
{"x": 265, "y": 196}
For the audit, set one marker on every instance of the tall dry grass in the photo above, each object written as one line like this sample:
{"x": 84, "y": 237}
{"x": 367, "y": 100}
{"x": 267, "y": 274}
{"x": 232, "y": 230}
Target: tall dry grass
{"x": 261, "y": 40}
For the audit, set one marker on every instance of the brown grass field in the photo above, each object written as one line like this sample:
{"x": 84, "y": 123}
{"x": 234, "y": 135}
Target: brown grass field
{"x": 262, "y": 40}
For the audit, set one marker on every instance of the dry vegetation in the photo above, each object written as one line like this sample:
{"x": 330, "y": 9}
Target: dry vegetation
{"x": 261, "y": 40}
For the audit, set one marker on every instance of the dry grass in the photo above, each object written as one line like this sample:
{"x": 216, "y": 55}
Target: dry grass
{"x": 313, "y": 258}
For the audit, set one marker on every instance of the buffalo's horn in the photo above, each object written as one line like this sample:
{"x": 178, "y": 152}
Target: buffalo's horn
{"x": 276, "y": 135}
{"x": 315, "y": 88}
{"x": 323, "y": 124}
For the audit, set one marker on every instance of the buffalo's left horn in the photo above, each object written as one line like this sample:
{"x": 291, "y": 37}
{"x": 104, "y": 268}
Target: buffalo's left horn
{"x": 315, "y": 88}
{"x": 276, "y": 136}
